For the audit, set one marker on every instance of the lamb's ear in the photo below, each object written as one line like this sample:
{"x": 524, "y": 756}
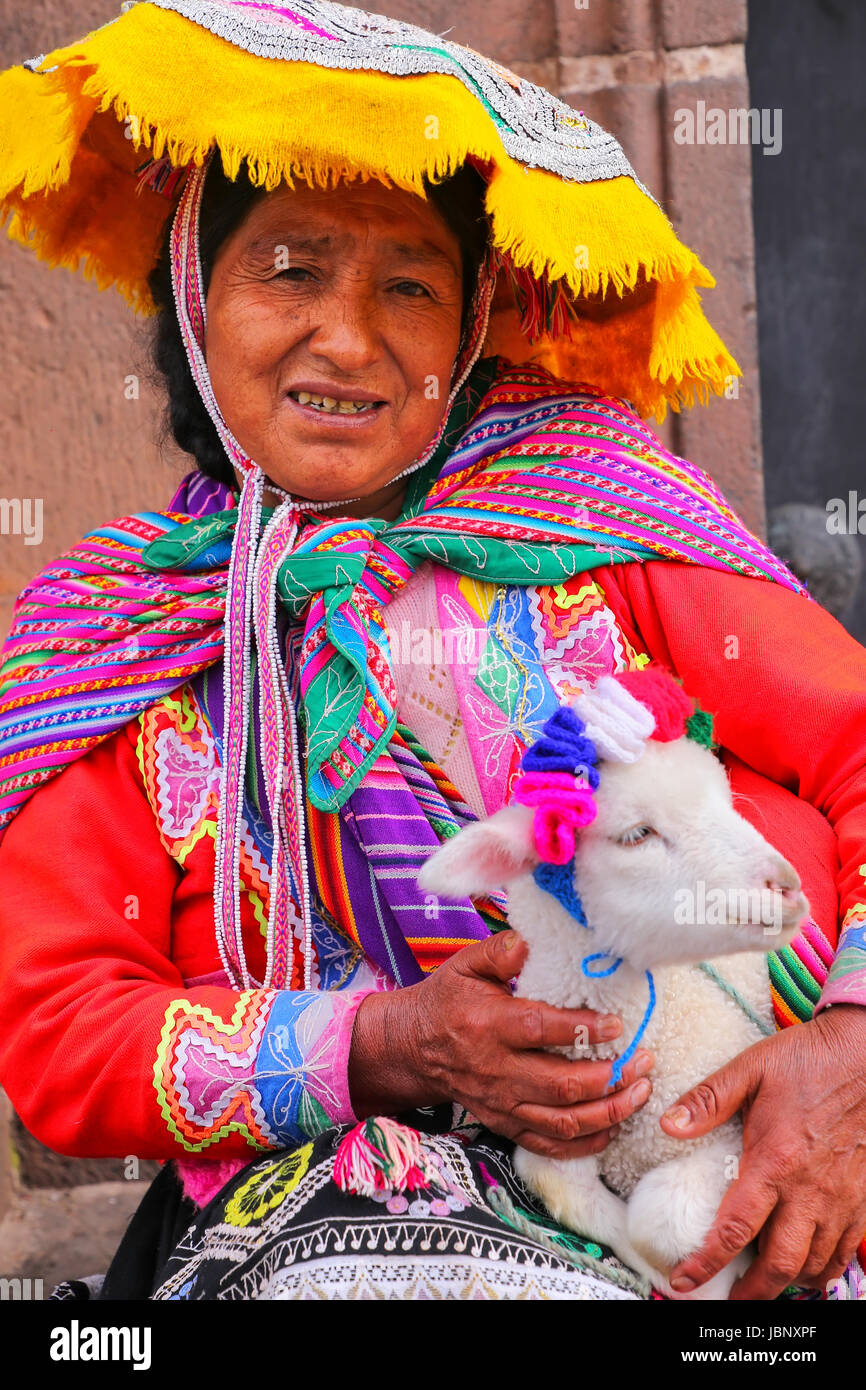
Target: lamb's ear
{"x": 482, "y": 857}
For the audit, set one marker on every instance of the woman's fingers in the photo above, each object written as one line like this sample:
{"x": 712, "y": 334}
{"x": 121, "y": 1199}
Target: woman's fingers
{"x": 571, "y": 1122}
{"x": 497, "y": 1060}
{"x": 829, "y": 1256}
{"x": 844, "y": 1253}
{"x": 554, "y": 1082}
{"x": 529, "y": 1024}
{"x": 499, "y": 957}
{"x": 574, "y": 1148}
{"x": 743, "y": 1211}
{"x": 789, "y": 1238}
{"x": 823, "y": 1247}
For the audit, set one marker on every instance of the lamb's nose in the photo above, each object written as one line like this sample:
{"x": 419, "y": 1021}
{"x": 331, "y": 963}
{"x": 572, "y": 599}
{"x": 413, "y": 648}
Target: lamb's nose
{"x": 783, "y": 879}
{"x": 789, "y": 894}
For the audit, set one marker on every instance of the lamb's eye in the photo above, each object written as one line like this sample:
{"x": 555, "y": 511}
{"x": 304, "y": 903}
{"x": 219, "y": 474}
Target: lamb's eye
{"x": 636, "y": 835}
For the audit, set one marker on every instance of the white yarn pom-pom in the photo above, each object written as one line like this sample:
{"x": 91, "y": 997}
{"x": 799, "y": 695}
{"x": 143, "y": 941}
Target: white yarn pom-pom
{"x": 618, "y": 724}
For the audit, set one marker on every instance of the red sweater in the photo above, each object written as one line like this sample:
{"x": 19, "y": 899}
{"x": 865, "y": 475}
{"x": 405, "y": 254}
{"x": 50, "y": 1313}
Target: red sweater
{"x": 99, "y": 927}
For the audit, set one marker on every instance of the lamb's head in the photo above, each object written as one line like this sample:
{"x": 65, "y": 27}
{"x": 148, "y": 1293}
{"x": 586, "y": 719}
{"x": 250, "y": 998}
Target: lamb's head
{"x": 623, "y": 813}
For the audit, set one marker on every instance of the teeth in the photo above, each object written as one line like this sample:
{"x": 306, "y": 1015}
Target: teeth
{"x": 330, "y": 405}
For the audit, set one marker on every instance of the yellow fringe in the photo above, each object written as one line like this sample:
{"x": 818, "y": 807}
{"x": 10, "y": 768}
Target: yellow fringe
{"x": 72, "y": 138}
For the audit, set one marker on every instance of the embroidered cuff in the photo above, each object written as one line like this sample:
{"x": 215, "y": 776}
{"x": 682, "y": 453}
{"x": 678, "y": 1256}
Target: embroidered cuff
{"x": 846, "y": 981}
{"x": 275, "y": 1072}
{"x": 302, "y": 1068}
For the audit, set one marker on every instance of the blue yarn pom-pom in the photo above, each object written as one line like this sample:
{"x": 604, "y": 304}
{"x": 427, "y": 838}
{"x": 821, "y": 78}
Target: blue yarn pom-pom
{"x": 564, "y": 746}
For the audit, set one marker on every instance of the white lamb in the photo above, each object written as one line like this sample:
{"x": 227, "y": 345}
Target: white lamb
{"x": 665, "y": 835}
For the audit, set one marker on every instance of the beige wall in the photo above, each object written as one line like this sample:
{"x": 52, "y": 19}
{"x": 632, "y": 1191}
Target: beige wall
{"x": 72, "y": 438}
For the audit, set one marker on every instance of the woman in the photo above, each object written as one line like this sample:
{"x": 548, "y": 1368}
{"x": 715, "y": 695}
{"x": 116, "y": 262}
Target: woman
{"x": 239, "y": 958}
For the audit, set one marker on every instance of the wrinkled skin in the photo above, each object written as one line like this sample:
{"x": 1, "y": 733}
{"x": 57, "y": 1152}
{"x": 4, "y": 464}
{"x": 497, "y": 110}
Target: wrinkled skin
{"x": 370, "y": 302}
{"x": 461, "y": 1035}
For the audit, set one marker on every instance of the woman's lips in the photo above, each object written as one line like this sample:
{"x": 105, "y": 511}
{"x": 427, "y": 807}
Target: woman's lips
{"x": 336, "y": 418}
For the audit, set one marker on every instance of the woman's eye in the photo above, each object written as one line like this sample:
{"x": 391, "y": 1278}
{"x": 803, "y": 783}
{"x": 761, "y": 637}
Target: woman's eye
{"x": 636, "y": 835}
{"x": 411, "y": 288}
{"x": 293, "y": 272}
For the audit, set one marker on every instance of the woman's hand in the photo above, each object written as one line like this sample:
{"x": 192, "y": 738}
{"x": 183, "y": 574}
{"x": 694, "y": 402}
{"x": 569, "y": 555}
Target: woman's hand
{"x": 801, "y": 1189}
{"x": 460, "y": 1035}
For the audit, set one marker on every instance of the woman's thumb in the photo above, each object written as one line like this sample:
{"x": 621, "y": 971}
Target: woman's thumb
{"x": 712, "y": 1101}
{"x": 500, "y": 956}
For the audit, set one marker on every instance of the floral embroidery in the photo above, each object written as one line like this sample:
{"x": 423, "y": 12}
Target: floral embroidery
{"x": 179, "y": 762}
{"x": 297, "y": 1067}
{"x": 577, "y": 634}
{"x": 180, "y": 770}
{"x": 267, "y": 1189}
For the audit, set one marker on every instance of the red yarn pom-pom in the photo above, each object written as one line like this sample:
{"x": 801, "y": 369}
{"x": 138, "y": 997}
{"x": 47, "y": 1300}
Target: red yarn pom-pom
{"x": 655, "y": 687}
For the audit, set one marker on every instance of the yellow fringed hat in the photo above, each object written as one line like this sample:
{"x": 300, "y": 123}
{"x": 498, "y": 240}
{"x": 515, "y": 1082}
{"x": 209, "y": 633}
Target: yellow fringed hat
{"x": 323, "y": 92}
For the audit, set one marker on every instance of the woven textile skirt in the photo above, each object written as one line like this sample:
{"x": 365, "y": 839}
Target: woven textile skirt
{"x": 282, "y": 1229}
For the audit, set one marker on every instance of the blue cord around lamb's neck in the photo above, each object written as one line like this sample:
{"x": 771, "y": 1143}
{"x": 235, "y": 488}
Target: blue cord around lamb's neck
{"x": 558, "y": 880}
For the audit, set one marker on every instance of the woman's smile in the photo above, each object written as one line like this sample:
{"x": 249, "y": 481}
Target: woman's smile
{"x": 328, "y": 407}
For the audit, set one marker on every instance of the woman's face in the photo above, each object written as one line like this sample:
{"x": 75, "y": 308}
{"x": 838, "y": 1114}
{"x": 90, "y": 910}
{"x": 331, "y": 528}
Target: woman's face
{"x": 353, "y": 296}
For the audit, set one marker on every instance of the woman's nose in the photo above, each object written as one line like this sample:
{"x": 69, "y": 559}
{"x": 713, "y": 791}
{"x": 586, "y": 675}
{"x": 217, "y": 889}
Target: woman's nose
{"x": 347, "y": 331}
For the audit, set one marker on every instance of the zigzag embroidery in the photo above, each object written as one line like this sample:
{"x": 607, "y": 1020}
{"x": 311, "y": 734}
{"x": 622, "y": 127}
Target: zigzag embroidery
{"x": 182, "y": 1082}
{"x": 179, "y": 765}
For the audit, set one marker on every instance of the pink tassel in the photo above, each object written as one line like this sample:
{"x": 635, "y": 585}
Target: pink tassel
{"x": 381, "y": 1155}
{"x": 203, "y": 1178}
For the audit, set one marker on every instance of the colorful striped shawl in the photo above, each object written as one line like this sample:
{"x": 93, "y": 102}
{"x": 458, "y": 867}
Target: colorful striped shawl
{"x": 544, "y": 481}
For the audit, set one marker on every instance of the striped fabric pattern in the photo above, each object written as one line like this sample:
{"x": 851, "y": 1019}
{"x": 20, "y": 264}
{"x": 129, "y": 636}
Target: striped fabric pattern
{"x": 798, "y": 973}
{"x": 545, "y": 481}
{"x": 97, "y": 638}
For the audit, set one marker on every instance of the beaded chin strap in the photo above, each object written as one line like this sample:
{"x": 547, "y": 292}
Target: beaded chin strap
{"x": 256, "y": 558}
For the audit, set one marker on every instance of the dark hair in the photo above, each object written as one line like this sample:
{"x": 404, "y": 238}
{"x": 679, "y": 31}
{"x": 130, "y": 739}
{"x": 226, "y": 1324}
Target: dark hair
{"x": 459, "y": 200}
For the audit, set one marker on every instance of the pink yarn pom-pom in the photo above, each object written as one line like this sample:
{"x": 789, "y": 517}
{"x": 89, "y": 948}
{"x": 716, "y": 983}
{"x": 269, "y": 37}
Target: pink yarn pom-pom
{"x": 537, "y": 788}
{"x": 554, "y": 835}
{"x": 554, "y": 827}
{"x": 562, "y": 805}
